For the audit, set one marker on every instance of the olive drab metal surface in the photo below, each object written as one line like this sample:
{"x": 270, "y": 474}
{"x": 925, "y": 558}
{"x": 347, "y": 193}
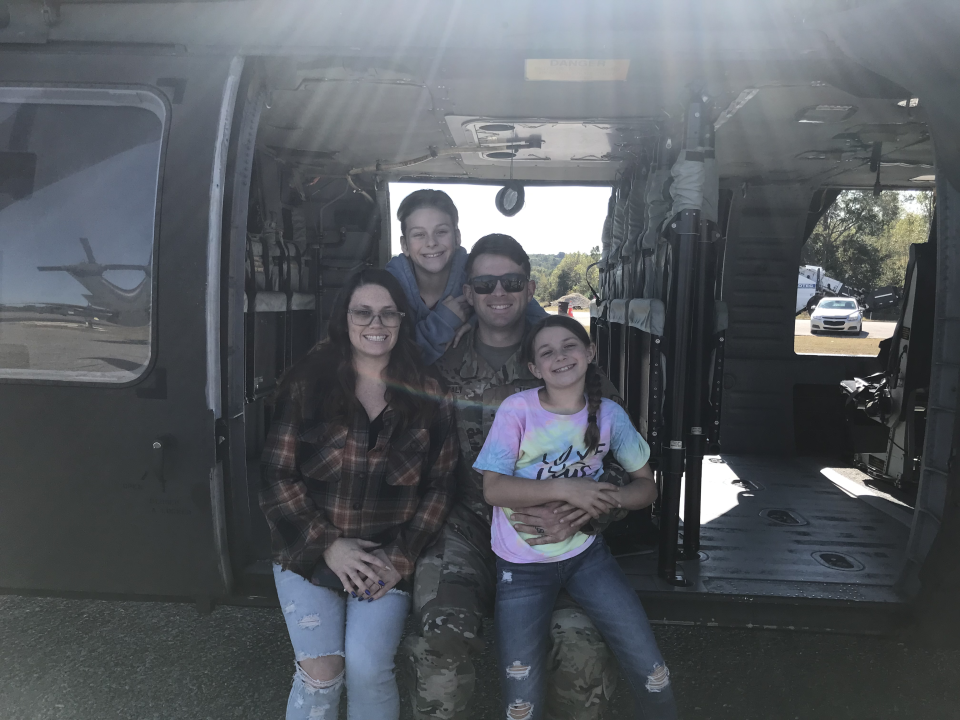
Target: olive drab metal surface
{"x": 108, "y": 471}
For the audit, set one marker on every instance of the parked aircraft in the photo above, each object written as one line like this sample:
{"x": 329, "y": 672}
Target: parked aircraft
{"x": 107, "y": 300}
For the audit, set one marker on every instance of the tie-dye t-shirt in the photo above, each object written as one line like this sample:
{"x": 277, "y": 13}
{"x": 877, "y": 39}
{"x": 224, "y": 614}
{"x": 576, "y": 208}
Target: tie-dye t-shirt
{"x": 529, "y": 442}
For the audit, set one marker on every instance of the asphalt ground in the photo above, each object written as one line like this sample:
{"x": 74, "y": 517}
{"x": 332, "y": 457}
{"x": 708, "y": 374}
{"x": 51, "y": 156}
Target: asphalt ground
{"x": 98, "y": 660}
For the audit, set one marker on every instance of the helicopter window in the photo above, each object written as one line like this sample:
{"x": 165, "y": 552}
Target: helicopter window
{"x": 77, "y": 217}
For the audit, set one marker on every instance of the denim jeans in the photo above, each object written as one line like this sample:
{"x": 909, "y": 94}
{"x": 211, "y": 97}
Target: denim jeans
{"x": 365, "y": 634}
{"x": 526, "y": 594}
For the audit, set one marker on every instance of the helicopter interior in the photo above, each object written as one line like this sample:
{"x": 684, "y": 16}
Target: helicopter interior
{"x": 778, "y": 519}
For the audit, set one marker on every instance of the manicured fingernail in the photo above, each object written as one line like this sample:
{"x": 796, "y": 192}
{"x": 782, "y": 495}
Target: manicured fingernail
{"x": 382, "y": 583}
{"x": 360, "y": 599}
{"x": 367, "y": 592}
{"x": 353, "y": 593}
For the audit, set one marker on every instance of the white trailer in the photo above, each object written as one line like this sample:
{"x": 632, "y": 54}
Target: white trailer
{"x": 811, "y": 282}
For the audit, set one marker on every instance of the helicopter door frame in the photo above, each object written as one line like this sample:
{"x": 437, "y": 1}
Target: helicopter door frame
{"x": 218, "y": 346}
{"x": 240, "y": 515}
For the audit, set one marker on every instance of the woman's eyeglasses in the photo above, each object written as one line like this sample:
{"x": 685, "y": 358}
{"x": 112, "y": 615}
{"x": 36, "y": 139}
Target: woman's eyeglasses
{"x": 511, "y": 282}
{"x": 388, "y": 318}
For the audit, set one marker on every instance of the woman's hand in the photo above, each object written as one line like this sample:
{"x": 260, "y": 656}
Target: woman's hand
{"x": 547, "y": 524}
{"x": 358, "y": 570}
{"x": 388, "y": 578}
{"x": 458, "y": 306}
{"x": 594, "y": 498}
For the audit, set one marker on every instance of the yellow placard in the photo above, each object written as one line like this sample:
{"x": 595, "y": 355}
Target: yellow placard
{"x": 577, "y": 70}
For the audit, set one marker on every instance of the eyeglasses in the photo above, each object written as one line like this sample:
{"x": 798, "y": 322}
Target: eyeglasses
{"x": 388, "y": 318}
{"x": 511, "y": 282}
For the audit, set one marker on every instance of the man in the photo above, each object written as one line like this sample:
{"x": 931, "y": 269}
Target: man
{"x": 454, "y": 584}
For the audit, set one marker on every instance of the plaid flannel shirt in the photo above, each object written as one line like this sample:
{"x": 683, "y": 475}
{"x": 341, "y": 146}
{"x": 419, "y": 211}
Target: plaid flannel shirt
{"x": 321, "y": 483}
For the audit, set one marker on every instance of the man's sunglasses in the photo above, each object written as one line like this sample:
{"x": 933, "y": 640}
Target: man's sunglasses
{"x": 511, "y": 282}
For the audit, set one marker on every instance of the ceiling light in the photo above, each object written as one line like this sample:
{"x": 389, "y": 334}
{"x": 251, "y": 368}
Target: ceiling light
{"x": 820, "y": 114}
{"x": 924, "y": 178}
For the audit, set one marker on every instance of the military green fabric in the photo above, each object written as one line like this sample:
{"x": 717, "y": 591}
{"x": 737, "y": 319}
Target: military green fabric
{"x": 477, "y": 391}
{"x": 583, "y": 671}
{"x": 452, "y": 592}
{"x": 454, "y": 584}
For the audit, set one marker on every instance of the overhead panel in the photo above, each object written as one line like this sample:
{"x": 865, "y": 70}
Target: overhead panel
{"x": 341, "y": 124}
{"x": 556, "y": 145}
{"x": 817, "y": 133}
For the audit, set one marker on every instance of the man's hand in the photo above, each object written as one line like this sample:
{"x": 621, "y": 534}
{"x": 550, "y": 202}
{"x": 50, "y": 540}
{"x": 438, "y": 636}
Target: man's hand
{"x": 388, "y": 578}
{"x": 464, "y": 329}
{"x": 547, "y": 523}
{"x": 458, "y": 306}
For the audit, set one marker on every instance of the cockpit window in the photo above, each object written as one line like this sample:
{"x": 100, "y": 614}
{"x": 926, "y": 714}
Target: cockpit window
{"x": 79, "y": 173}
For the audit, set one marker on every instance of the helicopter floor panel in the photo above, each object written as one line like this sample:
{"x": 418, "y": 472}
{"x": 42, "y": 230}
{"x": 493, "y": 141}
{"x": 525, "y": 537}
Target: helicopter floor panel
{"x": 787, "y": 528}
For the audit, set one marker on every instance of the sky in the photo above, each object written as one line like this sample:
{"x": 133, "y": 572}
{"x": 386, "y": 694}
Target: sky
{"x": 553, "y": 219}
{"x": 112, "y": 203}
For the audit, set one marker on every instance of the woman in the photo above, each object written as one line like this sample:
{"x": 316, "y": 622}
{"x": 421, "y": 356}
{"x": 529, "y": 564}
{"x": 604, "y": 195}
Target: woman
{"x": 357, "y": 480}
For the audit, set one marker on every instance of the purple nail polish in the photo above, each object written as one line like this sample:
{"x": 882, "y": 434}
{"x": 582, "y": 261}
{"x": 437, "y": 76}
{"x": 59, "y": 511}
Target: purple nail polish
{"x": 353, "y": 593}
{"x": 382, "y": 583}
{"x": 367, "y": 592}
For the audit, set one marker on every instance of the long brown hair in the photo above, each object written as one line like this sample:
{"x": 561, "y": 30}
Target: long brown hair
{"x": 326, "y": 375}
{"x": 593, "y": 380}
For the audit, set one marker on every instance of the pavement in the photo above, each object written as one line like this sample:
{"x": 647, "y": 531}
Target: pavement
{"x": 98, "y": 660}
{"x": 871, "y": 328}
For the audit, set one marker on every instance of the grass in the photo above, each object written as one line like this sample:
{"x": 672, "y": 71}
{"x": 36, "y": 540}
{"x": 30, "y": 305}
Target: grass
{"x": 818, "y": 345}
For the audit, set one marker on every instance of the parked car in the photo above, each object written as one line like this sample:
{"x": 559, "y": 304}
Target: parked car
{"x": 836, "y": 315}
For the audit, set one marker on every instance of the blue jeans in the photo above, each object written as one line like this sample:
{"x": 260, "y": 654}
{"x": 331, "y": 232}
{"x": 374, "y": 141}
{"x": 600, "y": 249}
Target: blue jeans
{"x": 526, "y": 594}
{"x": 365, "y": 634}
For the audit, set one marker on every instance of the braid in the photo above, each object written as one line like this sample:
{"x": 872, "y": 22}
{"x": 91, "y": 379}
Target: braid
{"x": 594, "y": 384}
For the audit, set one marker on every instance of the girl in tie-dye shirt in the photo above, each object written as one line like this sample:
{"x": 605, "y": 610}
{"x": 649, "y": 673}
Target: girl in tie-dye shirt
{"x": 548, "y": 445}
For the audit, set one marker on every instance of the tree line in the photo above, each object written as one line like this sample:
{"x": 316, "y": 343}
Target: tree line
{"x": 864, "y": 240}
{"x": 564, "y": 273}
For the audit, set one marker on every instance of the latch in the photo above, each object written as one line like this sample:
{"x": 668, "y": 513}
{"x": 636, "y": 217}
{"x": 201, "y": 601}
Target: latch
{"x": 220, "y": 439}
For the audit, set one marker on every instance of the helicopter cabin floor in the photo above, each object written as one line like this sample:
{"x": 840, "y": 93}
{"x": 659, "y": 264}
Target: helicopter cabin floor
{"x": 786, "y": 541}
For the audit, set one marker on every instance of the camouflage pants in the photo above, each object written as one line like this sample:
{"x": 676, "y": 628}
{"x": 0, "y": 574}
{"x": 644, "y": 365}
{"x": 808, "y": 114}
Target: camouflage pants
{"x": 453, "y": 591}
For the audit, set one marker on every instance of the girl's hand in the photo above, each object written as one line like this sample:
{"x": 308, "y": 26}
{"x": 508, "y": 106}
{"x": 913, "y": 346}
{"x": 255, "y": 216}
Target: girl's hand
{"x": 388, "y": 578}
{"x": 594, "y": 498}
{"x": 356, "y": 568}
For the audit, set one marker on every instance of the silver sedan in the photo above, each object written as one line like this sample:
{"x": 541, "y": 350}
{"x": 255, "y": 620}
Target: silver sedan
{"x": 837, "y": 315}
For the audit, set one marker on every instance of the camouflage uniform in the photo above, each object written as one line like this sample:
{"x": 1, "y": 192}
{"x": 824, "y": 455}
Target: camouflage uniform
{"x": 454, "y": 584}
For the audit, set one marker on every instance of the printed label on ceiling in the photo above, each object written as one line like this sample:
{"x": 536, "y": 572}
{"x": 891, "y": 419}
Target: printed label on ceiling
{"x": 573, "y": 70}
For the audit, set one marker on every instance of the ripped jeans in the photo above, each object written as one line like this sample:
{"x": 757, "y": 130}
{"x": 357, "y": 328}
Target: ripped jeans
{"x": 526, "y": 594}
{"x": 365, "y": 634}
